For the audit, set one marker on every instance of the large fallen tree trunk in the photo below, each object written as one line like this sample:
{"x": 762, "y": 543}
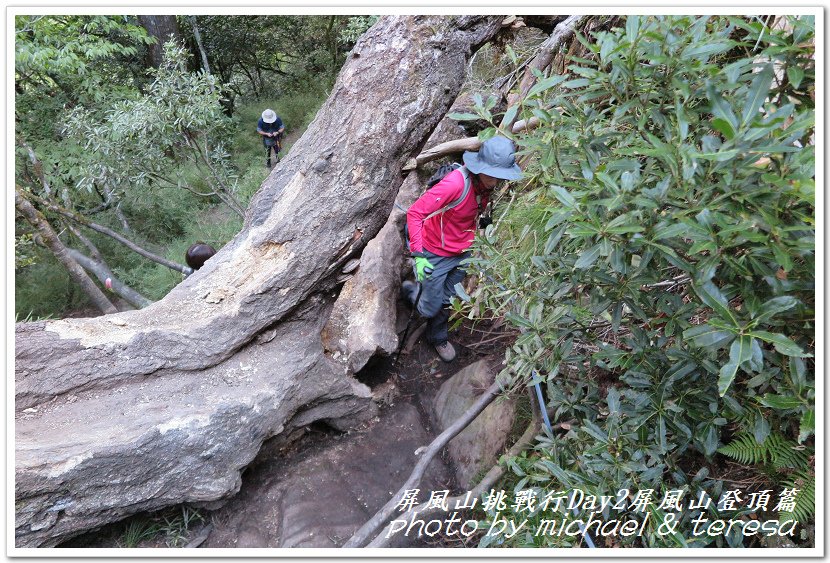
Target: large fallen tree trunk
{"x": 143, "y": 409}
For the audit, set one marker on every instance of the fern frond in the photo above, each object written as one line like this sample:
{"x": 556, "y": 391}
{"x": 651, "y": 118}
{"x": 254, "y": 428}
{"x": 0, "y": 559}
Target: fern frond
{"x": 805, "y": 498}
{"x": 744, "y": 449}
{"x": 776, "y": 450}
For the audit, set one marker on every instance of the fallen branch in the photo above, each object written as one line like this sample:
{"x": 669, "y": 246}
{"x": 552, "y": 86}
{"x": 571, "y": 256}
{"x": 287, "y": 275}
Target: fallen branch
{"x": 52, "y": 242}
{"x": 461, "y": 145}
{"x": 94, "y": 253}
{"x": 413, "y": 338}
{"x": 112, "y": 234}
{"x": 564, "y": 31}
{"x": 381, "y": 516}
{"x": 103, "y": 273}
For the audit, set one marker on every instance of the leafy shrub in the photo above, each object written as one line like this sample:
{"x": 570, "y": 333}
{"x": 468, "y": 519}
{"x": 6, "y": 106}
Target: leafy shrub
{"x": 44, "y": 289}
{"x": 670, "y": 196}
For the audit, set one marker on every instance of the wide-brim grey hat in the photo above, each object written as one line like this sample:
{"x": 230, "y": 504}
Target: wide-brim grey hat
{"x": 269, "y": 116}
{"x": 496, "y": 158}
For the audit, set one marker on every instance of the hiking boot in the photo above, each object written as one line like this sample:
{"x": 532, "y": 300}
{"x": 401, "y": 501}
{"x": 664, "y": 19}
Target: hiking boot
{"x": 409, "y": 289}
{"x": 268, "y": 163}
{"x": 445, "y": 351}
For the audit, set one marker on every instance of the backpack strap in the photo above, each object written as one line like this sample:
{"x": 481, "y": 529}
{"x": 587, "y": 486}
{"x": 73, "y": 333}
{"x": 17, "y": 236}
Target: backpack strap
{"x": 464, "y": 193}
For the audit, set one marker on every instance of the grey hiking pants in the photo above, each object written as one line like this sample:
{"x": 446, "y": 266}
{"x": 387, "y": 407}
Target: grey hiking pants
{"x": 437, "y": 290}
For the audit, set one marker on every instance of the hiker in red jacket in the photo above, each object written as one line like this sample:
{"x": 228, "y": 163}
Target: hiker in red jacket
{"x": 439, "y": 238}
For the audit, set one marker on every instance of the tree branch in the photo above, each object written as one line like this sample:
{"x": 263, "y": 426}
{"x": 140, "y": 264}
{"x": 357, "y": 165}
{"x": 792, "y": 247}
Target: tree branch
{"x": 563, "y": 31}
{"x": 487, "y": 482}
{"x": 460, "y": 145}
{"x": 198, "y": 36}
{"x": 222, "y": 192}
{"x": 103, "y": 273}
{"x": 112, "y": 234}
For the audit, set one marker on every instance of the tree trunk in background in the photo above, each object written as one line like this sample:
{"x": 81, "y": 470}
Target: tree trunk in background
{"x": 198, "y": 36}
{"x": 144, "y": 409}
{"x": 162, "y": 28}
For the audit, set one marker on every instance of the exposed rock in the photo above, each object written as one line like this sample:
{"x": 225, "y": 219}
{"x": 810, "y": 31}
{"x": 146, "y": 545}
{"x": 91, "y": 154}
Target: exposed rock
{"x": 351, "y": 266}
{"x": 477, "y": 448}
{"x": 320, "y": 497}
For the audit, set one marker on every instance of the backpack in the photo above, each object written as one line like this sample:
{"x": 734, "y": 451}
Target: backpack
{"x": 439, "y": 175}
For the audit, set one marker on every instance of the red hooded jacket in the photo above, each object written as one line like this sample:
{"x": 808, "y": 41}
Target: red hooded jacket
{"x": 452, "y": 232}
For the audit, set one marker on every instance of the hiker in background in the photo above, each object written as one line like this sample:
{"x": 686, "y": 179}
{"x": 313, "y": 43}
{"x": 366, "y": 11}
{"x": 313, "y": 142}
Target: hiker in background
{"x": 439, "y": 237}
{"x": 198, "y": 254}
{"x": 271, "y": 128}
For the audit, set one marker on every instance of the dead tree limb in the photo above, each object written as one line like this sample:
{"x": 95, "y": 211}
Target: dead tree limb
{"x": 563, "y": 32}
{"x": 103, "y": 273}
{"x": 94, "y": 253}
{"x": 38, "y": 166}
{"x": 53, "y": 243}
{"x": 198, "y": 36}
{"x": 81, "y": 220}
{"x": 461, "y": 145}
{"x": 381, "y": 516}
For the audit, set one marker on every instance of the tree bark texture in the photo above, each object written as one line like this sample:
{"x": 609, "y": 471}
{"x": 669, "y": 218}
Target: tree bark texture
{"x": 361, "y": 326}
{"x": 198, "y": 36}
{"x": 144, "y": 409}
{"x": 162, "y": 28}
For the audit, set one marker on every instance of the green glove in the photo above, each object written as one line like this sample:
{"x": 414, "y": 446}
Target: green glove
{"x": 423, "y": 268}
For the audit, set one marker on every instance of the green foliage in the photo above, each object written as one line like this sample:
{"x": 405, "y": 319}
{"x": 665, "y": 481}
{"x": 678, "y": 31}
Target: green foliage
{"x": 24, "y": 251}
{"x": 775, "y": 450}
{"x": 78, "y": 58}
{"x": 66, "y": 61}
{"x": 789, "y": 464}
{"x": 805, "y": 499}
{"x": 145, "y": 141}
{"x": 263, "y": 57}
{"x": 137, "y": 531}
{"x": 355, "y": 27}
{"x": 662, "y": 273}
{"x": 170, "y": 527}
{"x": 44, "y": 289}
